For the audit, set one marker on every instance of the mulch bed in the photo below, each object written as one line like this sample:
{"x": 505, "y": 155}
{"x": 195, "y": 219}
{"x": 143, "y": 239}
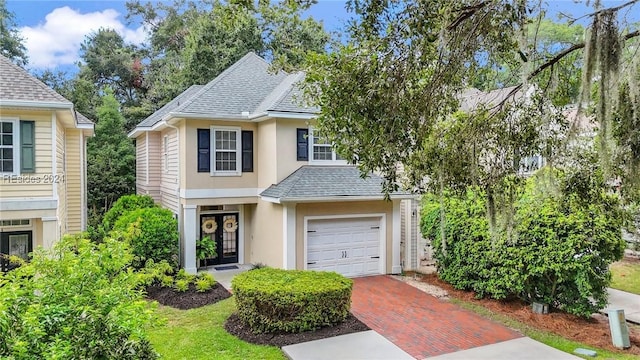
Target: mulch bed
{"x": 189, "y": 299}
{"x": 192, "y": 299}
{"x": 236, "y": 327}
{"x": 593, "y": 331}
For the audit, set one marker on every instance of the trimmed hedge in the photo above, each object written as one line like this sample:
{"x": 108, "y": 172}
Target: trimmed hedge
{"x": 270, "y": 300}
{"x": 152, "y": 233}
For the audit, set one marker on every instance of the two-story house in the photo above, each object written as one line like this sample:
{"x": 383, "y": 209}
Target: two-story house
{"x": 42, "y": 163}
{"x": 238, "y": 160}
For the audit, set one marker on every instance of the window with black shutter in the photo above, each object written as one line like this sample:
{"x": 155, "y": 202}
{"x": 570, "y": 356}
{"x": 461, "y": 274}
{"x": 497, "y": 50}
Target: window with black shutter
{"x": 204, "y": 150}
{"x": 302, "y": 139}
{"x": 247, "y": 151}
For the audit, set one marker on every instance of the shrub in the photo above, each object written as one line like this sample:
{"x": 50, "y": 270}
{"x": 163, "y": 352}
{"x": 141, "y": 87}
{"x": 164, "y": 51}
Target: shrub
{"x": 152, "y": 233}
{"x": 166, "y": 281}
{"x": 271, "y": 300}
{"x": 182, "y": 274}
{"x": 77, "y": 301}
{"x": 182, "y": 285}
{"x": 203, "y": 285}
{"x": 558, "y": 253}
{"x": 123, "y": 205}
{"x": 207, "y": 277}
{"x": 205, "y": 248}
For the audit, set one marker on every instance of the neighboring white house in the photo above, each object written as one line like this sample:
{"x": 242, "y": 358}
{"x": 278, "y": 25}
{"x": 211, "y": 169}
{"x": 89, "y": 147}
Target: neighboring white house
{"x": 42, "y": 163}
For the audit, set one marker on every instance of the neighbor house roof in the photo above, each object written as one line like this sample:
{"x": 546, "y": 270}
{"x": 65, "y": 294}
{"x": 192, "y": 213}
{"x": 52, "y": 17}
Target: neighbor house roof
{"x": 321, "y": 183}
{"x": 18, "y": 88}
{"x": 19, "y": 85}
{"x": 472, "y": 98}
{"x": 245, "y": 90}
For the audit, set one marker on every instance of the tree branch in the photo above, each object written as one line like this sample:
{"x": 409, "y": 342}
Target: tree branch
{"x": 568, "y": 51}
{"x": 465, "y": 13}
{"x": 555, "y": 60}
{"x": 612, "y": 9}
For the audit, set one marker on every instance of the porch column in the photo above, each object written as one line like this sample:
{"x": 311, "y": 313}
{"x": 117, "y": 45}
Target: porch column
{"x": 50, "y": 232}
{"x": 396, "y": 235}
{"x": 190, "y": 226}
{"x": 289, "y": 236}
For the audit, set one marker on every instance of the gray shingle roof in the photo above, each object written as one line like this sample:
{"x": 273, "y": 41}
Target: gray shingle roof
{"x": 170, "y": 106}
{"x": 471, "y": 99}
{"x": 81, "y": 119}
{"x": 292, "y": 101}
{"x": 246, "y": 88}
{"x": 17, "y": 84}
{"x": 310, "y": 182}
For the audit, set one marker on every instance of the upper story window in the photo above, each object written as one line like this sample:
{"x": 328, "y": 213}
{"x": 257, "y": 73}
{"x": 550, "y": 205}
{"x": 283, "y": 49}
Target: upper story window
{"x": 226, "y": 151}
{"x": 17, "y": 146}
{"x": 321, "y": 150}
{"x": 8, "y": 146}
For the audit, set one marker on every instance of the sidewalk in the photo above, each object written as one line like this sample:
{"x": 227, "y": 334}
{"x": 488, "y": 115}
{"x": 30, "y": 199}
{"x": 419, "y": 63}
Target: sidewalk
{"x": 629, "y": 302}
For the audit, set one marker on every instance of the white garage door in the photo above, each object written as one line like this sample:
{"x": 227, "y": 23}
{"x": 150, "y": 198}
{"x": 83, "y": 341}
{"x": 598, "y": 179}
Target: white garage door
{"x": 350, "y": 246}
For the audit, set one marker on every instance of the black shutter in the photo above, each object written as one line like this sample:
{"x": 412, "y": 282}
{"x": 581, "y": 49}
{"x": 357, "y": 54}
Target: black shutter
{"x": 302, "y": 139}
{"x": 204, "y": 150}
{"x": 247, "y": 151}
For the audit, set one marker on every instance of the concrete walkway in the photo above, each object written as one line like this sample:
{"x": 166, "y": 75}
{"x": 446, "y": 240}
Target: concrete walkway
{"x": 629, "y": 302}
{"x": 364, "y": 345}
{"x": 224, "y": 277}
{"x": 522, "y": 349}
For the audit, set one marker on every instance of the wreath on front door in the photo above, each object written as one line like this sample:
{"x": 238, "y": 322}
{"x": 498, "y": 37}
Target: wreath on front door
{"x": 210, "y": 226}
{"x": 230, "y": 225}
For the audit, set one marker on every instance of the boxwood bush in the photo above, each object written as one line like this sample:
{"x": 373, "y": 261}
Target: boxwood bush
{"x": 152, "y": 233}
{"x": 270, "y": 300}
{"x": 123, "y": 205}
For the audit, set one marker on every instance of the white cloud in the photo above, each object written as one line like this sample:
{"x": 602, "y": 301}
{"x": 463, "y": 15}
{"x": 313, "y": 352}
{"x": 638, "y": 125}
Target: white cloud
{"x": 57, "y": 41}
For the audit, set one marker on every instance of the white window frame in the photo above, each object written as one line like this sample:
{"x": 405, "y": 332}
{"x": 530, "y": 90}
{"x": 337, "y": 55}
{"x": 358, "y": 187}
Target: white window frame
{"x": 334, "y": 157}
{"x": 15, "y": 146}
{"x": 238, "y": 151}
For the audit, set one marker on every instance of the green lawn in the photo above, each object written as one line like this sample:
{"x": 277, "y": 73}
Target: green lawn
{"x": 626, "y": 276}
{"x": 544, "y": 337}
{"x": 199, "y": 334}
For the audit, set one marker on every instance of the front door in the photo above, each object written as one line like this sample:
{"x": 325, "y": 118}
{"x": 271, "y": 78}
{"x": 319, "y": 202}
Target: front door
{"x": 223, "y": 228}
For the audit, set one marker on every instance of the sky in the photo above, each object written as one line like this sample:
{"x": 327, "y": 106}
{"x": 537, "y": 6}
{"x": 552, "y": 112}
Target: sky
{"x": 53, "y": 30}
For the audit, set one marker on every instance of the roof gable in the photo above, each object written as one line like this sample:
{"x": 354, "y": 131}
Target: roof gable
{"x": 246, "y": 89}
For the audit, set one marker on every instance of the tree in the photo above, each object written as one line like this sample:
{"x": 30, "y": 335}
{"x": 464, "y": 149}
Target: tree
{"x": 11, "y": 43}
{"x": 110, "y": 160}
{"x": 191, "y": 42}
{"x": 397, "y": 81}
{"x": 110, "y": 62}
{"x": 390, "y": 96}
{"x": 215, "y": 41}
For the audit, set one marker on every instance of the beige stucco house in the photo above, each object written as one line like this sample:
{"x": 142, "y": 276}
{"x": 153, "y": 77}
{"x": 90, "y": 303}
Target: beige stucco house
{"x": 42, "y": 163}
{"x": 238, "y": 160}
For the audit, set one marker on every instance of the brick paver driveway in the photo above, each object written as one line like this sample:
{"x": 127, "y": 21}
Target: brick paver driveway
{"x": 419, "y": 323}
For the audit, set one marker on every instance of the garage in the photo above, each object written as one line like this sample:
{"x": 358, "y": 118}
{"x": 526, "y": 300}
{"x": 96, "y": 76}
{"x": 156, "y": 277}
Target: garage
{"x": 349, "y": 246}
